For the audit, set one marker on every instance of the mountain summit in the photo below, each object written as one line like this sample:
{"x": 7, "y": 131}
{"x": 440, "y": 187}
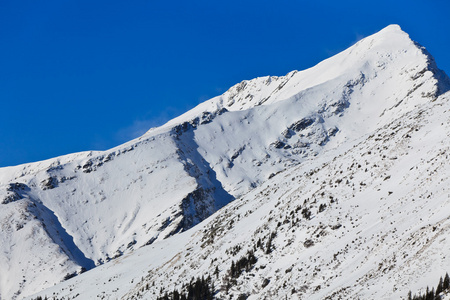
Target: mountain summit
{"x": 328, "y": 183}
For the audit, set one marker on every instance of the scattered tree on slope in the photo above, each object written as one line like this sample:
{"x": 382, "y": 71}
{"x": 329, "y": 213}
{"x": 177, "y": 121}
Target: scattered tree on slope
{"x": 197, "y": 289}
{"x": 443, "y": 286}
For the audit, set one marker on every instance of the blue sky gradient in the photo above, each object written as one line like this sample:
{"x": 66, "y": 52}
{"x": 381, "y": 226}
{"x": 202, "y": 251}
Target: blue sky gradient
{"x": 90, "y": 75}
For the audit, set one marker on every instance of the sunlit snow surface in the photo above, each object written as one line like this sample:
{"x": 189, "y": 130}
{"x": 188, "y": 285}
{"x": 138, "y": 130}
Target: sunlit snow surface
{"x": 364, "y": 133}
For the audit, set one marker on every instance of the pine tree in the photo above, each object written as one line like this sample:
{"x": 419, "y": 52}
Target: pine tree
{"x": 190, "y": 291}
{"x": 446, "y": 283}
{"x": 430, "y": 294}
{"x": 233, "y": 269}
{"x": 175, "y": 295}
{"x": 440, "y": 287}
{"x": 216, "y": 271}
{"x": 269, "y": 243}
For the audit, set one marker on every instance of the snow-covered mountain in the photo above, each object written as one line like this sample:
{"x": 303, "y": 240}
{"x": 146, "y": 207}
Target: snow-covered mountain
{"x": 333, "y": 180}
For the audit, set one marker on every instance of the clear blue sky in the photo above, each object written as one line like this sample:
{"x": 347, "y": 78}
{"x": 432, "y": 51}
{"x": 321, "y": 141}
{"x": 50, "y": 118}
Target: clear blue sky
{"x": 89, "y": 75}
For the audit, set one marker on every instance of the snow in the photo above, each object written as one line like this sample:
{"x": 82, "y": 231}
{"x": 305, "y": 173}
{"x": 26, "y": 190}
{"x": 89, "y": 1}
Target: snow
{"x": 364, "y": 132}
{"x": 386, "y": 244}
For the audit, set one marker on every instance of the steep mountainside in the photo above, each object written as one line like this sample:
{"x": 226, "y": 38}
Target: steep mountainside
{"x": 324, "y": 165}
{"x": 368, "y": 222}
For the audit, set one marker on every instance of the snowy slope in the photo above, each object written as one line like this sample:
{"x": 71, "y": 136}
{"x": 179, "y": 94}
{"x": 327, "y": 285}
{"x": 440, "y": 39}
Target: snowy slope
{"x": 254, "y": 143}
{"x": 97, "y": 206}
{"x": 281, "y": 120}
{"x": 384, "y": 229}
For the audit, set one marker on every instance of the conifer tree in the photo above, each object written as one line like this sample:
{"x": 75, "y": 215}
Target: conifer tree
{"x": 446, "y": 283}
{"x": 440, "y": 287}
{"x": 176, "y": 295}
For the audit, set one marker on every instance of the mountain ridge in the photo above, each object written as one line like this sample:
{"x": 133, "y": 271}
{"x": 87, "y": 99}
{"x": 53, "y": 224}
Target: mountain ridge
{"x": 227, "y": 236}
{"x": 93, "y": 207}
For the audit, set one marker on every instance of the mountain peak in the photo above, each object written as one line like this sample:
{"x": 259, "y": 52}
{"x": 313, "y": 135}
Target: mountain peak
{"x": 390, "y": 29}
{"x": 388, "y": 51}
{"x": 337, "y": 134}
{"x": 390, "y": 38}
